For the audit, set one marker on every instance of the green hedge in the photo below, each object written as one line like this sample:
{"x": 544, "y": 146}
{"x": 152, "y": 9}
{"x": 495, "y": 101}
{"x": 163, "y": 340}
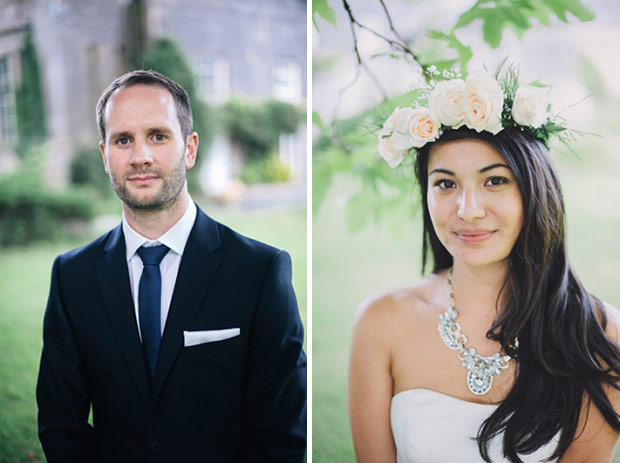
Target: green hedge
{"x": 268, "y": 170}
{"x": 30, "y": 211}
{"x": 256, "y": 125}
{"x": 87, "y": 170}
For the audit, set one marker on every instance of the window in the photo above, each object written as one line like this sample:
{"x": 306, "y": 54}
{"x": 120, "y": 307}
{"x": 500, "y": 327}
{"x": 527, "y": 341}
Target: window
{"x": 286, "y": 75}
{"x": 7, "y": 103}
{"x": 214, "y": 75}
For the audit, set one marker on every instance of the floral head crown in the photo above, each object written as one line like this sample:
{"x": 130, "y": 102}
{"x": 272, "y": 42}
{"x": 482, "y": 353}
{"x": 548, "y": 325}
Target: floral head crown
{"x": 481, "y": 102}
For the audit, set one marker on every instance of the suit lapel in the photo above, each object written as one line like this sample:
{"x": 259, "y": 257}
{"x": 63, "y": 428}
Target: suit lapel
{"x": 198, "y": 267}
{"x": 113, "y": 279}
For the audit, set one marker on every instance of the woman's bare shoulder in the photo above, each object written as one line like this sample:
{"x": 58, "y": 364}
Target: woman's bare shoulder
{"x": 420, "y": 299}
{"x": 612, "y": 316}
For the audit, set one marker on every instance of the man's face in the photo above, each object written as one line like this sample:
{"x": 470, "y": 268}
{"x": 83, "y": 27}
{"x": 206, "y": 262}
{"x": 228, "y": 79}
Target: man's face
{"x": 144, "y": 152}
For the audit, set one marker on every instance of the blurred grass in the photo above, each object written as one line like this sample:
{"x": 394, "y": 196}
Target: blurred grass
{"x": 348, "y": 268}
{"x": 24, "y": 285}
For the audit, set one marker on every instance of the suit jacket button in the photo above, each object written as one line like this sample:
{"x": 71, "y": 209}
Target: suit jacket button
{"x": 155, "y": 446}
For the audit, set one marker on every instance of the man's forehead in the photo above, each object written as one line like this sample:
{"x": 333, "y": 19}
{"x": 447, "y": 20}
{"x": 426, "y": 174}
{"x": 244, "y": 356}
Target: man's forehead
{"x": 142, "y": 102}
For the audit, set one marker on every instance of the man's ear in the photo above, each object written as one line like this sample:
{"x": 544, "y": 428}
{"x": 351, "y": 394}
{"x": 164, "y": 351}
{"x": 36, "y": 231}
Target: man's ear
{"x": 104, "y": 157}
{"x": 191, "y": 149}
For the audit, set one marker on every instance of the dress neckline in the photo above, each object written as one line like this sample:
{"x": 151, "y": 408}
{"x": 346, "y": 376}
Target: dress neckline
{"x": 422, "y": 390}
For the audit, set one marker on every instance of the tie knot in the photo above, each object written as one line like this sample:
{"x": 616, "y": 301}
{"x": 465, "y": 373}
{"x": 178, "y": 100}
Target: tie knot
{"x": 152, "y": 255}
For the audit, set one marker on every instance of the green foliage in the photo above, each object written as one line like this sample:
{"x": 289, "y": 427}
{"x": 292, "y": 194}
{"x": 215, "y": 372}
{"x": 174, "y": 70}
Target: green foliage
{"x": 384, "y": 194}
{"x": 593, "y": 79}
{"x": 265, "y": 170}
{"x": 29, "y": 100}
{"x": 30, "y": 211}
{"x": 463, "y": 52}
{"x": 256, "y": 126}
{"x": 350, "y": 146}
{"x": 87, "y": 170}
{"x": 498, "y": 15}
{"x": 164, "y": 55}
{"x": 321, "y": 8}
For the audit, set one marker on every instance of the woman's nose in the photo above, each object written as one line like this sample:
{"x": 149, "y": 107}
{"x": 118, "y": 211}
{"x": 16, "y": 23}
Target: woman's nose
{"x": 470, "y": 206}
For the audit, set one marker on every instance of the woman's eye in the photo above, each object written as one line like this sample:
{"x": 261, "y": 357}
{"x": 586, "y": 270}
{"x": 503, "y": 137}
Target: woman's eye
{"x": 445, "y": 184}
{"x": 494, "y": 181}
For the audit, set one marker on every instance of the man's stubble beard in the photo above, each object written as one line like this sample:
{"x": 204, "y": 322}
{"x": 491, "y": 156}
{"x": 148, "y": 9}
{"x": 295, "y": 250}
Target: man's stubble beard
{"x": 171, "y": 186}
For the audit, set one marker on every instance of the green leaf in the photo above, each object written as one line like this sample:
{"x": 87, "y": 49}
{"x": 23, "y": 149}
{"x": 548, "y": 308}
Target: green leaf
{"x": 321, "y": 181}
{"x": 497, "y": 15}
{"x": 470, "y": 15}
{"x": 492, "y": 29}
{"x": 357, "y": 212}
{"x": 322, "y": 9}
{"x": 561, "y": 7}
{"x": 316, "y": 119}
{"x": 540, "y": 12}
{"x": 464, "y": 53}
{"x": 592, "y": 78}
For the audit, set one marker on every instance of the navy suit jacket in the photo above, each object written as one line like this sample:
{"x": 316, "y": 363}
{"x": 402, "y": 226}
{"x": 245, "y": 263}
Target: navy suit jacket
{"x": 241, "y": 399}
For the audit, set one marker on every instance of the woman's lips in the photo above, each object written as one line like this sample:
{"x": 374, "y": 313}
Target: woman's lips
{"x": 474, "y": 236}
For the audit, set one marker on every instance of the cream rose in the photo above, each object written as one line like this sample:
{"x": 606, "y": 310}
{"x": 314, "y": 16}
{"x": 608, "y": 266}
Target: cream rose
{"x": 396, "y": 127}
{"x": 484, "y": 101}
{"x": 387, "y": 151}
{"x": 530, "y": 106}
{"x": 423, "y": 127}
{"x": 446, "y": 102}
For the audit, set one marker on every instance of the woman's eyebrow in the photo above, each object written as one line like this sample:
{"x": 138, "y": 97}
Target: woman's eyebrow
{"x": 493, "y": 166}
{"x": 440, "y": 170}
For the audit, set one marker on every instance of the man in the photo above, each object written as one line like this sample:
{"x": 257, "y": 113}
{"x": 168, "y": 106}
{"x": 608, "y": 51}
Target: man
{"x": 183, "y": 336}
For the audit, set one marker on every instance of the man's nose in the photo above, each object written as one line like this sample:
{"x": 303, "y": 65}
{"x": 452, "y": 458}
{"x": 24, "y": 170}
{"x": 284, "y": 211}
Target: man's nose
{"x": 470, "y": 205}
{"x": 141, "y": 154}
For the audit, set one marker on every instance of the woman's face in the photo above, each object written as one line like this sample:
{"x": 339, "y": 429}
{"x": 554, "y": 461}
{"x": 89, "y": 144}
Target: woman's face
{"x": 474, "y": 201}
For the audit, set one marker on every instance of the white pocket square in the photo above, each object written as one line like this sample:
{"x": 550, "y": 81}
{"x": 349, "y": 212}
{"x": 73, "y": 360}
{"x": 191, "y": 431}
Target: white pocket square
{"x": 194, "y": 338}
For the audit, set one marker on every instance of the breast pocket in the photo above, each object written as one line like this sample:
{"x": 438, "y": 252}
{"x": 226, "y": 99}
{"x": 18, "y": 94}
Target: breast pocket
{"x": 214, "y": 348}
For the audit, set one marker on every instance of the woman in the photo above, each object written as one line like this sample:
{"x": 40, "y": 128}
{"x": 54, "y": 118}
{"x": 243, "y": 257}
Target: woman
{"x": 500, "y": 354}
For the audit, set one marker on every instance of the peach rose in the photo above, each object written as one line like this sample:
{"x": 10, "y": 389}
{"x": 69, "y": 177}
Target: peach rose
{"x": 423, "y": 127}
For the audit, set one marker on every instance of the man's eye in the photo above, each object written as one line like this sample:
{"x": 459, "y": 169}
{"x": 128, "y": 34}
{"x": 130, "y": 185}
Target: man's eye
{"x": 122, "y": 141}
{"x": 159, "y": 137}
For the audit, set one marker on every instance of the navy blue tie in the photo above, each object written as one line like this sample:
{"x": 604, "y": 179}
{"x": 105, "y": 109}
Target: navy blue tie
{"x": 149, "y": 302}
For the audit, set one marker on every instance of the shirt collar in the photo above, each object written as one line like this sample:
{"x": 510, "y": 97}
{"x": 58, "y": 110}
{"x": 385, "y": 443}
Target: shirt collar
{"x": 175, "y": 238}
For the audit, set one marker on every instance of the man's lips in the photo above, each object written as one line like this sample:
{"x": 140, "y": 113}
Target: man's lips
{"x": 474, "y": 236}
{"x": 143, "y": 179}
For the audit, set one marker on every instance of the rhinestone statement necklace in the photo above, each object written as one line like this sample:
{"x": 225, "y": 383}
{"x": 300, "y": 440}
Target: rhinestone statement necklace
{"x": 480, "y": 369}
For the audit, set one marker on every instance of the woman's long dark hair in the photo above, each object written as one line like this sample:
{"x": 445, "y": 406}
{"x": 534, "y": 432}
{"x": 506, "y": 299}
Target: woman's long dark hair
{"x": 563, "y": 353}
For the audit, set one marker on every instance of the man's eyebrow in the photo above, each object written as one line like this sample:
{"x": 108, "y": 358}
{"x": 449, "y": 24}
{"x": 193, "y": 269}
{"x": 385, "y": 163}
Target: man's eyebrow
{"x": 493, "y": 166}
{"x": 122, "y": 134}
{"x": 160, "y": 130}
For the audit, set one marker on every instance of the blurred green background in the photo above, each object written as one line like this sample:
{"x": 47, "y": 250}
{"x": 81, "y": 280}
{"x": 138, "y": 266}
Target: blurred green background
{"x": 245, "y": 82}
{"x": 575, "y": 54}
{"x": 348, "y": 268}
{"x": 24, "y": 285}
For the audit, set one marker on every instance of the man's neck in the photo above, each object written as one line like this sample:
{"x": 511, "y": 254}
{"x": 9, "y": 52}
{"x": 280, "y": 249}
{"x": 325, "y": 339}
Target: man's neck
{"x": 153, "y": 224}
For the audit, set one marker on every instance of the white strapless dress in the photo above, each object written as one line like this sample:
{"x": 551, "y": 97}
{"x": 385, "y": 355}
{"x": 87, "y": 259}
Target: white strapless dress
{"x": 430, "y": 427}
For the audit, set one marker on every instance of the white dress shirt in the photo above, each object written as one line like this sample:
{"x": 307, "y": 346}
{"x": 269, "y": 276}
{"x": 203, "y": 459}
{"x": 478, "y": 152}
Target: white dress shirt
{"x": 176, "y": 239}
